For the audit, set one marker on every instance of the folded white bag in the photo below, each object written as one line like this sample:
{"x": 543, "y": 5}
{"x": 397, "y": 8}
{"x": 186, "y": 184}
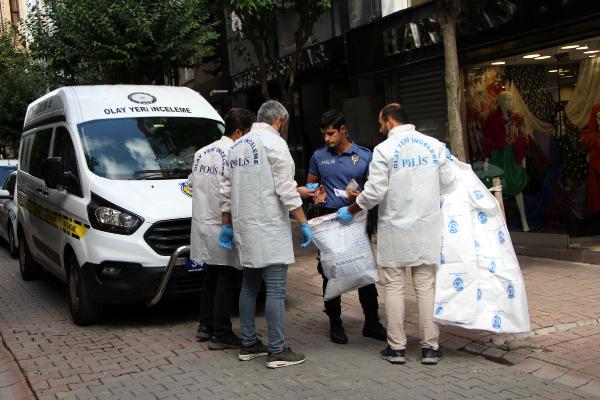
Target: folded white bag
{"x": 345, "y": 251}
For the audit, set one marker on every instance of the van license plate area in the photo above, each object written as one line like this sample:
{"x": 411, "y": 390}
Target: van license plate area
{"x": 192, "y": 266}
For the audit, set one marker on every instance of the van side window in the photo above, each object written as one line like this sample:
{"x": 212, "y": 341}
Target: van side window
{"x": 63, "y": 148}
{"x": 39, "y": 152}
{"x": 24, "y": 153}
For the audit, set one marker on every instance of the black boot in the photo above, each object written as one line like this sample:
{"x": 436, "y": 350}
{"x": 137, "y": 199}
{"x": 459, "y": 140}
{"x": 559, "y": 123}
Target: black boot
{"x": 373, "y": 327}
{"x": 336, "y": 331}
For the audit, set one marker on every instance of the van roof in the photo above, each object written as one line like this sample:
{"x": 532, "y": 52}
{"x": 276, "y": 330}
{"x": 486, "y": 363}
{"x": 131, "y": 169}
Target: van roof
{"x": 76, "y": 104}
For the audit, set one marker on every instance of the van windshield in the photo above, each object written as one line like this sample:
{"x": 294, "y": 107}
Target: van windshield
{"x": 145, "y": 148}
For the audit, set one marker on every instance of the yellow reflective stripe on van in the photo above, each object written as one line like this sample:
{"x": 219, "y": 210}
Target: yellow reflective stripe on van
{"x": 71, "y": 227}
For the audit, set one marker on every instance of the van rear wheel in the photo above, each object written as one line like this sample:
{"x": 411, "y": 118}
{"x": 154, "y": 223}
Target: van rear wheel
{"x": 84, "y": 310}
{"x": 30, "y": 269}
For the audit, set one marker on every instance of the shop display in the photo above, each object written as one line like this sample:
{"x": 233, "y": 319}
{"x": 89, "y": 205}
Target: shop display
{"x": 586, "y": 93}
{"x": 591, "y": 138}
{"x": 525, "y": 125}
{"x": 505, "y": 146}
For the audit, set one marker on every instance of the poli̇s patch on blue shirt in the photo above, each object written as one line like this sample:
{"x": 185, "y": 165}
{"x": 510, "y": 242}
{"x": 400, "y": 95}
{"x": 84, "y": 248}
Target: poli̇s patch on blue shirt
{"x": 336, "y": 170}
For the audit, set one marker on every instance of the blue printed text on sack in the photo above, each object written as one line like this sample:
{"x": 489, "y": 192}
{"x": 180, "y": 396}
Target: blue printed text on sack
{"x": 417, "y": 160}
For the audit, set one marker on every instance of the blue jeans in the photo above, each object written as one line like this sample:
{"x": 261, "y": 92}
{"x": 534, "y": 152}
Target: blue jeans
{"x": 275, "y": 277}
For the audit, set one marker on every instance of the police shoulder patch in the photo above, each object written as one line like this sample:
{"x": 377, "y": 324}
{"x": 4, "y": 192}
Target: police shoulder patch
{"x": 185, "y": 189}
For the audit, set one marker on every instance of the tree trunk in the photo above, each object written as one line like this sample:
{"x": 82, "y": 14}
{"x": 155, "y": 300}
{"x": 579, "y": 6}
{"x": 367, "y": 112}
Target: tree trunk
{"x": 453, "y": 87}
{"x": 287, "y": 99}
{"x": 264, "y": 74}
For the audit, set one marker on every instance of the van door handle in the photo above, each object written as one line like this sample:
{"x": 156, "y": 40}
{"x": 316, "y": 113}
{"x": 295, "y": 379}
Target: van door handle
{"x": 42, "y": 191}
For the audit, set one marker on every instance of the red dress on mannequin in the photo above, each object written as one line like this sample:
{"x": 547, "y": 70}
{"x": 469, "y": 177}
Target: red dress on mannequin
{"x": 506, "y": 147}
{"x": 591, "y": 138}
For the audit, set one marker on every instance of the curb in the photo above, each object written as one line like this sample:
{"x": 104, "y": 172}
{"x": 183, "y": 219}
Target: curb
{"x": 13, "y": 383}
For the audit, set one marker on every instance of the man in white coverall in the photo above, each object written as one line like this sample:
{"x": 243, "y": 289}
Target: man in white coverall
{"x": 259, "y": 192}
{"x": 404, "y": 178}
{"x": 222, "y": 269}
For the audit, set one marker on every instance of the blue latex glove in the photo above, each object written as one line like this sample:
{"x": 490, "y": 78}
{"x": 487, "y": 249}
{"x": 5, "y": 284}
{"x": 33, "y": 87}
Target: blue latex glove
{"x": 448, "y": 154}
{"x": 344, "y": 215}
{"x": 226, "y": 237}
{"x": 306, "y": 235}
{"x": 312, "y": 186}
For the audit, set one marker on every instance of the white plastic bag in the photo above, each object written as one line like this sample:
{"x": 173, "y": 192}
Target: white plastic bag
{"x": 345, "y": 251}
{"x": 479, "y": 284}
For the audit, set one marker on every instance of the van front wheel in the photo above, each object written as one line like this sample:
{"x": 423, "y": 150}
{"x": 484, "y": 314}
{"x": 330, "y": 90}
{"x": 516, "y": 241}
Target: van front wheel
{"x": 84, "y": 311}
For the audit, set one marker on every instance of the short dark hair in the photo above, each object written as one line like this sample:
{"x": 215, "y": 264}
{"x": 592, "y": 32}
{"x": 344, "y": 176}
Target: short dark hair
{"x": 334, "y": 118}
{"x": 395, "y": 111}
{"x": 238, "y": 118}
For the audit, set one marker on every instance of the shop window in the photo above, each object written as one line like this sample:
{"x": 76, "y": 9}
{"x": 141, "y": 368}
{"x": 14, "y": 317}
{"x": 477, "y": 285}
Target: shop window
{"x": 532, "y": 119}
{"x": 324, "y": 28}
{"x": 391, "y": 6}
{"x": 361, "y": 12}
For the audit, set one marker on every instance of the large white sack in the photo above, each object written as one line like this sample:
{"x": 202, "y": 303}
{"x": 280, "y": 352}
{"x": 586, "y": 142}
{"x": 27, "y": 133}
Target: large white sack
{"x": 345, "y": 251}
{"x": 476, "y": 249}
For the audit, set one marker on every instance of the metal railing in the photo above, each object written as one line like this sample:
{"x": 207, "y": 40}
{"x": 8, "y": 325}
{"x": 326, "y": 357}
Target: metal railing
{"x": 182, "y": 251}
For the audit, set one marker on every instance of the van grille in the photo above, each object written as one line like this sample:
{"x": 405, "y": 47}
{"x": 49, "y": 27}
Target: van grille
{"x": 166, "y": 236}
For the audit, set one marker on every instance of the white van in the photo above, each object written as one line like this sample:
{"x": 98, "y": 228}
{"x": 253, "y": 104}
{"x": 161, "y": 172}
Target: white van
{"x": 102, "y": 193}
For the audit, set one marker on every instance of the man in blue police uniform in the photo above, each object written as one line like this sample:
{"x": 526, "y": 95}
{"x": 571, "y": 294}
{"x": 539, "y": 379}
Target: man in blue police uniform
{"x": 333, "y": 166}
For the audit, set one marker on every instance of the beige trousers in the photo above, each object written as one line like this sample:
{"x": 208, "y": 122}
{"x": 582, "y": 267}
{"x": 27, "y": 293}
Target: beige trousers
{"x": 394, "y": 282}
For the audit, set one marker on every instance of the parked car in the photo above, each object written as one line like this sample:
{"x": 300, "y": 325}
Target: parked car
{"x": 6, "y": 167}
{"x": 8, "y": 212}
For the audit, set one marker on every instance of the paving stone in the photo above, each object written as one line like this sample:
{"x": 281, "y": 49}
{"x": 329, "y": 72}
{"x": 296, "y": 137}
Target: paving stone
{"x": 550, "y": 371}
{"x": 574, "y": 379}
{"x": 475, "y": 348}
{"x": 494, "y": 352}
{"x": 592, "y": 387}
{"x": 545, "y": 331}
{"x": 513, "y": 358}
{"x": 455, "y": 343}
{"x": 530, "y": 365}
{"x": 566, "y": 327}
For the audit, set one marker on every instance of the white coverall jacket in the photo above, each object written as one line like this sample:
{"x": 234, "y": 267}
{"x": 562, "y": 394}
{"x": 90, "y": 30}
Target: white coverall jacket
{"x": 260, "y": 191}
{"x": 405, "y": 177}
{"x": 205, "y": 181}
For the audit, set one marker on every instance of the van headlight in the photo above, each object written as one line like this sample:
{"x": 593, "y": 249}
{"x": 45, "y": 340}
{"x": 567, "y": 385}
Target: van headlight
{"x": 108, "y": 217}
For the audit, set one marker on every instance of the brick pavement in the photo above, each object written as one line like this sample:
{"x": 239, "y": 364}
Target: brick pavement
{"x": 151, "y": 354}
{"x": 564, "y": 306}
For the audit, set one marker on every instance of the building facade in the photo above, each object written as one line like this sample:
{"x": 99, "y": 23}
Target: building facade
{"x": 11, "y": 13}
{"x": 531, "y": 84}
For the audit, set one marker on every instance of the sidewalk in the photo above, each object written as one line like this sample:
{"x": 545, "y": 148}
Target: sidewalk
{"x": 564, "y": 306}
{"x": 140, "y": 353}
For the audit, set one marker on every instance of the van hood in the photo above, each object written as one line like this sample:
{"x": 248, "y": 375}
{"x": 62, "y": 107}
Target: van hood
{"x": 153, "y": 200}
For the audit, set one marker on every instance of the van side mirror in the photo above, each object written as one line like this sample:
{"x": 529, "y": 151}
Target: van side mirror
{"x": 5, "y": 195}
{"x": 54, "y": 173}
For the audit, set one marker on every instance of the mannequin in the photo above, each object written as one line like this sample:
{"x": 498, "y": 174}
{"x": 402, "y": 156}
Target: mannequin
{"x": 591, "y": 138}
{"x": 505, "y": 145}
